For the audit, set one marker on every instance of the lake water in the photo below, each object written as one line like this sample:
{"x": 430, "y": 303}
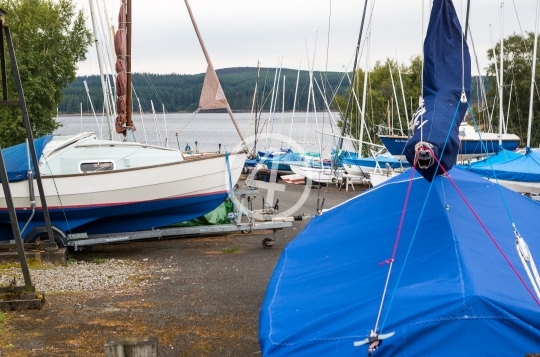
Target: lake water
{"x": 212, "y": 129}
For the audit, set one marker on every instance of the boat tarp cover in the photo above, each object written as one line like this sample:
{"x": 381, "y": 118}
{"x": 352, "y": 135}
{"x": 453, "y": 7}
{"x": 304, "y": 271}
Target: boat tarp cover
{"x": 517, "y": 167}
{"x": 16, "y": 158}
{"x": 447, "y": 72}
{"x": 451, "y": 291}
{"x": 220, "y": 215}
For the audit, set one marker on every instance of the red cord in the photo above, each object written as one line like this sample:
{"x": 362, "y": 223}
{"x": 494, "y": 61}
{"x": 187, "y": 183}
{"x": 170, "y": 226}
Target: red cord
{"x": 486, "y": 230}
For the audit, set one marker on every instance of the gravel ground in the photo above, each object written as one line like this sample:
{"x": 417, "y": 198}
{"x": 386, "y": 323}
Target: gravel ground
{"x": 82, "y": 276}
{"x": 200, "y": 296}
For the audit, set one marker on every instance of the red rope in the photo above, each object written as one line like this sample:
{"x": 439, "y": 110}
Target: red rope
{"x": 486, "y": 230}
{"x": 398, "y": 235}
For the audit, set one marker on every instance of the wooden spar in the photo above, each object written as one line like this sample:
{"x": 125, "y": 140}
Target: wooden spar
{"x": 129, "y": 121}
{"x": 196, "y": 28}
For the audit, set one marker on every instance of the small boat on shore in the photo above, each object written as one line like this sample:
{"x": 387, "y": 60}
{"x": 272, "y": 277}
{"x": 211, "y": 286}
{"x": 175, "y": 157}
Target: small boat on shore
{"x": 472, "y": 144}
{"x": 103, "y": 186}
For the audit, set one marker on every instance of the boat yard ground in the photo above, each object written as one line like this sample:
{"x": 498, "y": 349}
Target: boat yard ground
{"x": 200, "y": 296}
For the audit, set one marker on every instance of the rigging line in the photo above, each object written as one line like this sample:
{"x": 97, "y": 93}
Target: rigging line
{"x": 391, "y": 260}
{"x": 58, "y": 195}
{"x": 489, "y": 234}
{"x": 419, "y": 218}
{"x": 344, "y": 125}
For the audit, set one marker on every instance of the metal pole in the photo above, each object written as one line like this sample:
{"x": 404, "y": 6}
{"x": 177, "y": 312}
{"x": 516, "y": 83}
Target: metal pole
{"x": 15, "y": 224}
{"x": 533, "y": 79}
{"x": 22, "y": 103}
{"x": 344, "y": 127}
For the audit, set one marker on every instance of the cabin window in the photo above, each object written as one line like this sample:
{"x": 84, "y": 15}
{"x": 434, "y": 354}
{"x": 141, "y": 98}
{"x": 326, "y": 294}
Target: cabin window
{"x": 96, "y": 166}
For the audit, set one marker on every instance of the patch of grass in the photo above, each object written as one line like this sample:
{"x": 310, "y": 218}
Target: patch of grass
{"x": 34, "y": 263}
{"x": 99, "y": 261}
{"x": 70, "y": 260}
{"x": 8, "y": 266}
{"x": 3, "y": 317}
{"x": 232, "y": 250}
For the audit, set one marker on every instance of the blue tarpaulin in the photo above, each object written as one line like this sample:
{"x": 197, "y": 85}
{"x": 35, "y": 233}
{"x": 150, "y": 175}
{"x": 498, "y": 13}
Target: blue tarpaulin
{"x": 447, "y": 73}
{"x": 510, "y": 167}
{"x": 16, "y": 158}
{"x": 451, "y": 291}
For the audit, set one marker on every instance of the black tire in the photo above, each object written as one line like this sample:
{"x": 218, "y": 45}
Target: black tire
{"x": 267, "y": 243}
{"x": 41, "y": 233}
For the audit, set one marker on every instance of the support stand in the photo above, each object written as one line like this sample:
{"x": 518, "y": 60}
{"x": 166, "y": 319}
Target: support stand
{"x": 19, "y": 297}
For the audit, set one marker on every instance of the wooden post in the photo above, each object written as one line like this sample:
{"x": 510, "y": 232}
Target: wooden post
{"x": 131, "y": 347}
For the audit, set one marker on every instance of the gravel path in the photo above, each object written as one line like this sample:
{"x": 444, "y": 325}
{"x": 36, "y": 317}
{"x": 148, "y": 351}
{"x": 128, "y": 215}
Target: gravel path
{"x": 114, "y": 275}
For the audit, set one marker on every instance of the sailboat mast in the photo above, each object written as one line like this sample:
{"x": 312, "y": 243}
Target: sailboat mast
{"x": 344, "y": 126}
{"x": 211, "y": 66}
{"x": 129, "y": 121}
{"x": 501, "y": 112}
{"x": 533, "y": 82}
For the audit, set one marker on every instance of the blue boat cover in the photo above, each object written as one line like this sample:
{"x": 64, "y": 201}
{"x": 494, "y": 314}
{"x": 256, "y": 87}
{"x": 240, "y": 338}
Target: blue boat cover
{"x": 451, "y": 292}
{"x": 16, "y": 158}
{"x": 511, "y": 167}
{"x": 447, "y": 72}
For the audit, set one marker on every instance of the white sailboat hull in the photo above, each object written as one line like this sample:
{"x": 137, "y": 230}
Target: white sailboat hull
{"x": 128, "y": 198}
{"x": 325, "y": 175}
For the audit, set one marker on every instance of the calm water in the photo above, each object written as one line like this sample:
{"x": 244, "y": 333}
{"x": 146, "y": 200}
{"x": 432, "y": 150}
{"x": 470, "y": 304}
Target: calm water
{"x": 212, "y": 129}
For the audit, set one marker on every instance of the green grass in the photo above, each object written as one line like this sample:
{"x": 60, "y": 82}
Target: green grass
{"x": 70, "y": 260}
{"x": 232, "y": 250}
{"x": 3, "y": 317}
{"x": 99, "y": 261}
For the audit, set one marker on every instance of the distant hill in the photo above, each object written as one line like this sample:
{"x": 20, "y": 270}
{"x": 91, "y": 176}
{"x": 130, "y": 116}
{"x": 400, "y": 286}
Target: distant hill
{"x": 181, "y": 92}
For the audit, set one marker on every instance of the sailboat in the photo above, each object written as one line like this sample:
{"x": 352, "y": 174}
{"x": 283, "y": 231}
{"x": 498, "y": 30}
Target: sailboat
{"x": 106, "y": 186}
{"x": 471, "y": 147}
{"x": 421, "y": 265}
{"x": 517, "y": 172}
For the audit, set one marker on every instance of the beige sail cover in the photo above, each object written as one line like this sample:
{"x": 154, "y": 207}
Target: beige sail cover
{"x": 212, "y": 96}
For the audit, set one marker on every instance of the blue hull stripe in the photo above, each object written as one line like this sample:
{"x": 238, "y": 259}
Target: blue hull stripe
{"x": 119, "y": 217}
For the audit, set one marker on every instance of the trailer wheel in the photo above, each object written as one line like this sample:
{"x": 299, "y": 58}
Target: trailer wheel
{"x": 41, "y": 233}
{"x": 267, "y": 243}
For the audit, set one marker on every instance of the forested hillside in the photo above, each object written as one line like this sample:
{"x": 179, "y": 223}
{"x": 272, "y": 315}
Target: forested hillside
{"x": 180, "y": 92}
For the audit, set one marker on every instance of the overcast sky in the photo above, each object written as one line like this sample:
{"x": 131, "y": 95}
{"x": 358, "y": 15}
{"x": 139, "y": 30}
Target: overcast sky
{"x": 238, "y": 33}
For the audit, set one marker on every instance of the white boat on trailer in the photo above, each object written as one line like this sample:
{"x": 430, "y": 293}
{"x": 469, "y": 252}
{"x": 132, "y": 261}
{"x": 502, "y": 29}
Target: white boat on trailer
{"x": 101, "y": 186}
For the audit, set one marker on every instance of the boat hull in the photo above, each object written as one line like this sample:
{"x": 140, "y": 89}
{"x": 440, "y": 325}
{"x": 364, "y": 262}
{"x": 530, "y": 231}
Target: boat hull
{"x": 325, "y": 175}
{"x": 129, "y": 199}
{"x": 469, "y": 148}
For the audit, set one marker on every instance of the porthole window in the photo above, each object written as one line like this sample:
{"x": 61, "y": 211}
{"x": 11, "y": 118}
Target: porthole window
{"x": 96, "y": 166}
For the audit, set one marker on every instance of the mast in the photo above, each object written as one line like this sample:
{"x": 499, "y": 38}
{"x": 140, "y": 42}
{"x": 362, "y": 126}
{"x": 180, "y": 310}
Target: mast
{"x": 129, "y": 121}
{"x": 533, "y": 83}
{"x": 344, "y": 127}
{"x": 501, "y": 112}
{"x": 98, "y": 45}
{"x": 211, "y": 67}
{"x": 364, "y": 94}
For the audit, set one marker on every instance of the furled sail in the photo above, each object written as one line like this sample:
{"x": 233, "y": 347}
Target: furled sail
{"x": 120, "y": 47}
{"x": 446, "y": 87}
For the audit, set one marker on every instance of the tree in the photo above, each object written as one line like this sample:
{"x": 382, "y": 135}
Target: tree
{"x": 381, "y": 106}
{"x": 50, "y": 38}
{"x": 517, "y": 61}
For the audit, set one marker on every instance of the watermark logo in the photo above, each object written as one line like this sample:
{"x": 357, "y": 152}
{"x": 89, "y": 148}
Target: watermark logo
{"x": 272, "y": 186}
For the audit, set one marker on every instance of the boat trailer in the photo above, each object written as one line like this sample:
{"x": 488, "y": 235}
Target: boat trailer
{"x": 243, "y": 220}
